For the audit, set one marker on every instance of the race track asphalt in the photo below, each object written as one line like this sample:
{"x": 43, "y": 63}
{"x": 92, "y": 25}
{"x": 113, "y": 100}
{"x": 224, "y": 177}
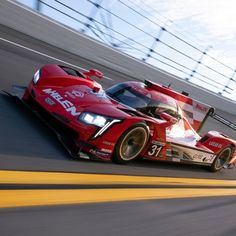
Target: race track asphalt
{"x": 27, "y": 144}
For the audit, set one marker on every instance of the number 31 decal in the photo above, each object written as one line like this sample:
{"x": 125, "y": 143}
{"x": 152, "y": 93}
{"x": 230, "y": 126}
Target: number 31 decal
{"x": 154, "y": 150}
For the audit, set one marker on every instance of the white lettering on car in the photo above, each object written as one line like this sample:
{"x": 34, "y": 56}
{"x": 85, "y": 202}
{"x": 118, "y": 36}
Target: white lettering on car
{"x": 155, "y": 148}
{"x": 198, "y": 157}
{"x": 203, "y": 157}
{"x": 209, "y": 158}
{"x": 78, "y": 93}
{"x": 72, "y": 111}
{"x": 67, "y": 105}
{"x": 74, "y": 93}
{"x": 215, "y": 144}
{"x": 49, "y": 101}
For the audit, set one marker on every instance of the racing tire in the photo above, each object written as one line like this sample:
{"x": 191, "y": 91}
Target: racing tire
{"x": 222, "y": 159}
{"x": 131, "y": 143}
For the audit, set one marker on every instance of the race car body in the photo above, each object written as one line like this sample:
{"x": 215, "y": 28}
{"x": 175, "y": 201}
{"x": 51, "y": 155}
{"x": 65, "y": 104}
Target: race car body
{"x": 127, "y": 121}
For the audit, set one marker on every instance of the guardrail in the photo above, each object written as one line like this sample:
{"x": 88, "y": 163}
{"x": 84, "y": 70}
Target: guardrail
{"x": 224, "y": 121}
{"x": 163, "y": 48}
{"x": 27, "y": 21}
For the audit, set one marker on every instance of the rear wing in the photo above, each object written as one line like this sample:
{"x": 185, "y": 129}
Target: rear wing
{"x": 196, "y": 112}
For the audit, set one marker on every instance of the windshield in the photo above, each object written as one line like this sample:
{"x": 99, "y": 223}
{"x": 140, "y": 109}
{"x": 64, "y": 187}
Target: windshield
{"x": 143, "y": 99}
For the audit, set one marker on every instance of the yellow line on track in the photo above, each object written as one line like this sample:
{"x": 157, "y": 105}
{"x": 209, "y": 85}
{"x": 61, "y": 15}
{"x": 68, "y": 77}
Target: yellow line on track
{"x": 30, "y": 177}
{"x": 26, "y": 198}
{"x": 36, "y": 197}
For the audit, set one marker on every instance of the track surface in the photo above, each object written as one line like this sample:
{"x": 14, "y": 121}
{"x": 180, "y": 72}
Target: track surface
{"x": 26, "y": 144}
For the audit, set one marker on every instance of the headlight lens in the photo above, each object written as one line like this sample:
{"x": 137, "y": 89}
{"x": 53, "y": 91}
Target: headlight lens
{"x": 36, "y": 77}
{"x": 93, "y": 119}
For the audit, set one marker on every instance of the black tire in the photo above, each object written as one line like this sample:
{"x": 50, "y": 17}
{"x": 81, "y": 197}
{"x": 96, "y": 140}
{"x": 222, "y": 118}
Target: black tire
{"x": 131, "y": 143}
{"x": 222, "y": 159}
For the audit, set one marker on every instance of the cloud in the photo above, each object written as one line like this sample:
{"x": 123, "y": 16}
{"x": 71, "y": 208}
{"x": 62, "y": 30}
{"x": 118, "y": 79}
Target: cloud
{"x": 200, "y": 22}
{"x": 217, "y": 17}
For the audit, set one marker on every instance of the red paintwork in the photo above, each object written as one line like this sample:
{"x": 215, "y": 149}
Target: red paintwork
{"x": 81, "y": 93}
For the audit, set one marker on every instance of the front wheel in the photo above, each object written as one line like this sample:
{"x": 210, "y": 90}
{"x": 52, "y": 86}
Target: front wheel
{"x": 131, "y": 143}
{"x": 221, "y": 159}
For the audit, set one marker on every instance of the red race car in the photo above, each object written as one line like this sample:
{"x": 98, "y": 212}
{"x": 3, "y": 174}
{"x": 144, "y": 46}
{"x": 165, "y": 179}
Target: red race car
{"x": 127, "y": 121}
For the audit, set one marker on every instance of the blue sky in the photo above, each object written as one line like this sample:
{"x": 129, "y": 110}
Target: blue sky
{"x": 209, "y": 22}
{"x": 205, "y": 24}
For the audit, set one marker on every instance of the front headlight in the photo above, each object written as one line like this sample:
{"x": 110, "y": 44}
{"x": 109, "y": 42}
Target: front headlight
{"x": 36, "y": 77}
{"x": 93, "y": 119}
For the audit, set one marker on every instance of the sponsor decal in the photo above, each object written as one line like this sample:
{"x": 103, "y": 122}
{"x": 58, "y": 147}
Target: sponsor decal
{"x": 203, "y": 158}
{"x": 198, "y": 157}
{"x": 49, "y": 101}
{"x": 209, "y": 158}
{"x": 100, "y": 153}
{"x": 188, "y": 154}
{"x": 201, "y": 107}
{"x": 106, "y": 150}
{"x": 158, "y": 143}
{"x": 175, "y": 159}
{"x": 77, "y": 93}
{"x": 74, "y": 94}
{"x": 168, "y": 152}
{"x": 215, "y": 144}
{"x": 67, "y": 105}
{"x": 108, "y": 143}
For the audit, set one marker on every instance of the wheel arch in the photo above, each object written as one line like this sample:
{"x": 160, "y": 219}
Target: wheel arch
{"x": 220, "y": 156}
{"x": 144, "y": 130}
{"x": 233, "y": 157}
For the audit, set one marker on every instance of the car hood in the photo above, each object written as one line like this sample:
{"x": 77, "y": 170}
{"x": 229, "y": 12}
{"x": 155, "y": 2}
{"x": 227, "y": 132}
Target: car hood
{"x": 76, "y": 99}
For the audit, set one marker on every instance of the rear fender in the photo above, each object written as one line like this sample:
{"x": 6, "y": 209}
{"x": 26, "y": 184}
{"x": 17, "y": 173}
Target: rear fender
{"x": 216, "y": 141}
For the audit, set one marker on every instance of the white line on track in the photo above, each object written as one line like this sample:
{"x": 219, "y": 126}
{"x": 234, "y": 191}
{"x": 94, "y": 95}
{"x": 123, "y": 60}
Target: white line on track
{"x": 45, "y": 55}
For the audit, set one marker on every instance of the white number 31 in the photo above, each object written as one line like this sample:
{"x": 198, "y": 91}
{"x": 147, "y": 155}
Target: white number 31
{"x": 154, "y": 150}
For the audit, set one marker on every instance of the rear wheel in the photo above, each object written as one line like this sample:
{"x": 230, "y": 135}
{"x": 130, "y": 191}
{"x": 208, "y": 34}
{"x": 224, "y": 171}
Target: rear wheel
{"x": 221, "y": 159}
{"x": 131, "y": 143}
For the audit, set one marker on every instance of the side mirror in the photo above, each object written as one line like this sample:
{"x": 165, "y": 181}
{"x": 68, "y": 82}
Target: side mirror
{"x": 94, "y": 72}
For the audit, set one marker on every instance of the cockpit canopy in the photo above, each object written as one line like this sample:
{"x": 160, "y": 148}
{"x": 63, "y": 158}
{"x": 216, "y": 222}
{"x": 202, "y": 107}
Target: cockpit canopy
{"x": 144, "y": 99}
